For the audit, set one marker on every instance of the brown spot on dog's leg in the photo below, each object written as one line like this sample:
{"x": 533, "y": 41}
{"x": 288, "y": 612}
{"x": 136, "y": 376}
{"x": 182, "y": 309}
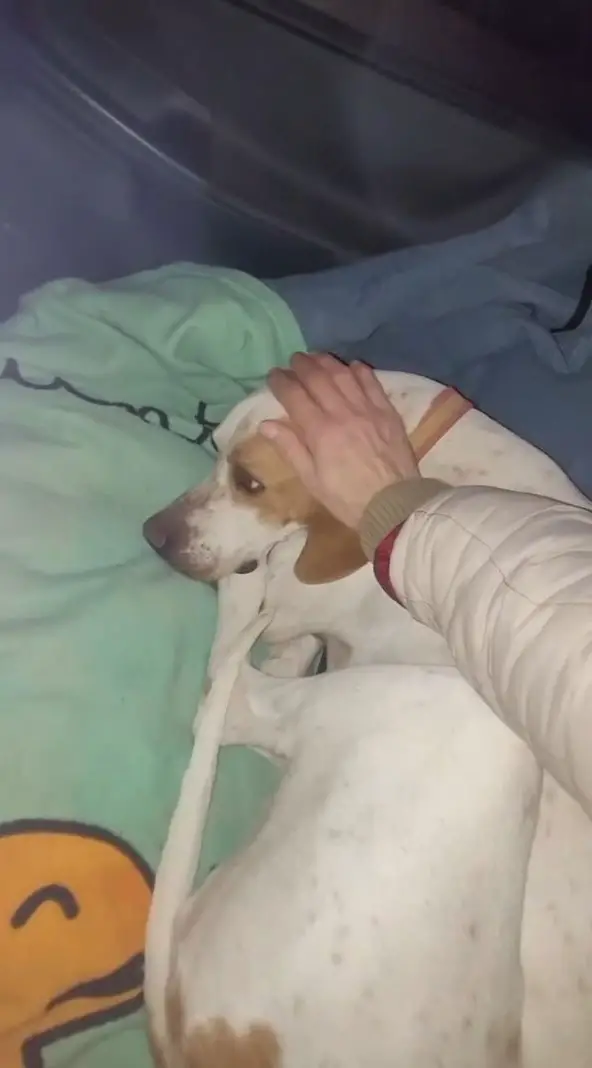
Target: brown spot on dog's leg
{"x": 158, "y": 1054}
{"x": 217, "y": 1045}
{"x": 174, "y": 1016}
{"x": 174, "y": 1027}
{"x": 504, "y": 1043}
{"x": 514, "y": 1050}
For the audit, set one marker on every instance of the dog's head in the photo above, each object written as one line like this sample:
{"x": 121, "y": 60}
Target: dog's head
{"x": 252, "y": 501}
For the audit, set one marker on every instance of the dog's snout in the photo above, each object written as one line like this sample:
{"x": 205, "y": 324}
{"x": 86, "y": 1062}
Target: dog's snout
{"x": 157, "y": 532}
{"x": 168, "y": 534}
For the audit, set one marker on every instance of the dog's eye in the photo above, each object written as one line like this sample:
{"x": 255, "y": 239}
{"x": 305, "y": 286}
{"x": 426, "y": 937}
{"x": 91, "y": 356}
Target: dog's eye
{"x": 245, "y": 482}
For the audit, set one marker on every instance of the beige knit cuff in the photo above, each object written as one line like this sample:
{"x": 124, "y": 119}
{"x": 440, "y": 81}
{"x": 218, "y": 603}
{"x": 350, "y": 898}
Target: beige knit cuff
{"x": 392, "y": 506}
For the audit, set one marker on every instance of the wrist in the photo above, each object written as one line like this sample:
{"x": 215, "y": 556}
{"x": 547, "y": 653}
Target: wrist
{"x": 391, "y": 507}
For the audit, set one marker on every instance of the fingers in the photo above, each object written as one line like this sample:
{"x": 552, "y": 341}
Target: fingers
{"x": 299, "y": 405}
{"x": 340, "y": 383}
{"x": 379, "y": 398}
{"x": 291, "y": 447}
{"x": 328, "y": 381}
{"x": 369, "y": 382}
{"x": 318, "y": 384}
{"x": 316, "y": 381}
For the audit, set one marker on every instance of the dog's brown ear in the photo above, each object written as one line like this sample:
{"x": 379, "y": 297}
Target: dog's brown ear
{"x": 331, "y": 552}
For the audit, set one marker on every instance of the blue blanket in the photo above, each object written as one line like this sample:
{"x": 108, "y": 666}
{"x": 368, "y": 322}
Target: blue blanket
{"x": 486, "y": 312}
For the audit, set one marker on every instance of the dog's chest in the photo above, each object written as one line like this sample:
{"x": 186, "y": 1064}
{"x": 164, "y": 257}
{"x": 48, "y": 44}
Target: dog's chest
{"x": 355, "y": 611}
{"x": 380, "y": 631}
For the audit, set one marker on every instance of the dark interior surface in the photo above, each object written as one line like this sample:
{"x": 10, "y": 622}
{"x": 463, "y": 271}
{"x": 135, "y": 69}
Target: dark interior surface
{"x": 520, "y": 63}
{"x": 274, "y": 137}
{"x": 558, "y": 30}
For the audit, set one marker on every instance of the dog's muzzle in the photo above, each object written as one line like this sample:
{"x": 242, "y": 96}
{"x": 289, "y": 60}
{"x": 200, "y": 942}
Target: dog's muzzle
{"x": 168, "y": 537}
{"x": 157, "y": 533}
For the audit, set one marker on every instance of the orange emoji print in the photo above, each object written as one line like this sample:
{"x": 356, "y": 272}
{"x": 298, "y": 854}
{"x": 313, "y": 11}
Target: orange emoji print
{"x": 74, "y": 903}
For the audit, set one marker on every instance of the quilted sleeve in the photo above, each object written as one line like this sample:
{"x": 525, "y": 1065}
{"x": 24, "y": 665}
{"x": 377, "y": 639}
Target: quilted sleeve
{"x": 506, "y": 578}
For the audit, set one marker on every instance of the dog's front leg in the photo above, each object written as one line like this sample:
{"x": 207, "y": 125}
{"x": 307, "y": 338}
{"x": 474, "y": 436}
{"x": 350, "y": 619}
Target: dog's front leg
{"x": 240, "y": 598}
{"x": 265, "y": 712}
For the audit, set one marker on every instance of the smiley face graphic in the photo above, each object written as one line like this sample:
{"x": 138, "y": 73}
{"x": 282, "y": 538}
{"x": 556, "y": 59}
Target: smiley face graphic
{"x": 74, "y": 903}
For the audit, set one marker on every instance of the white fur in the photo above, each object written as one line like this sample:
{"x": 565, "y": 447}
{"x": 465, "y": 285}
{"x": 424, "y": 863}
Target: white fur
{"x": 181, "y": 853}
{"x": 358, "y": 925}
{"x": 356, "y": 616}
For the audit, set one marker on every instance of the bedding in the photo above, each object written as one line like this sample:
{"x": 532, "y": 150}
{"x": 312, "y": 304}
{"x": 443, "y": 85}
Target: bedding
{"x": 108, "y": 396}
{"x": 502, "y": 314}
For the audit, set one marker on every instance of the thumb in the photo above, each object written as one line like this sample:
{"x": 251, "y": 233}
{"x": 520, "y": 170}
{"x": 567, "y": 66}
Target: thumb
{"x": 291, "y": 447}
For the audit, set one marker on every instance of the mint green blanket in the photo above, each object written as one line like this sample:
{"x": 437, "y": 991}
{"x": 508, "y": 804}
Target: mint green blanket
{"x": 107, "y": 399}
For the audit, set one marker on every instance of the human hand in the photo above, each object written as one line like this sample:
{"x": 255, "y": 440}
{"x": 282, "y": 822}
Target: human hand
{"x": 344, "y": 438}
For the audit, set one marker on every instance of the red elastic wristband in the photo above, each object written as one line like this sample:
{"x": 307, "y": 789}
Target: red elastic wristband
{"x": 382, "y": 564}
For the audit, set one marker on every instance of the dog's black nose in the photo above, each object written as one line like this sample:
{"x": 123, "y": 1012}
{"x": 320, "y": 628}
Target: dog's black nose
{"x": 167, "y": 534}
{"x": 156, "y": 533}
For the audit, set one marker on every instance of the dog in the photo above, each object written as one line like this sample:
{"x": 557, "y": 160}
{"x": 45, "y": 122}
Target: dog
{"x": 254, "y": 529}
{"x": 355, "y": 929}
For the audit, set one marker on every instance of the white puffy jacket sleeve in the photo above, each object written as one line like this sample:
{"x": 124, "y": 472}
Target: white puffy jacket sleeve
{"x": 506, "y": 578}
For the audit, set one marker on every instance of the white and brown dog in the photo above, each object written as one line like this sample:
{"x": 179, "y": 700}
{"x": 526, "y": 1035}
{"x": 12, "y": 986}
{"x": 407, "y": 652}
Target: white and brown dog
{"x": 375, "y": 919}
{"x": 310, "y": 573}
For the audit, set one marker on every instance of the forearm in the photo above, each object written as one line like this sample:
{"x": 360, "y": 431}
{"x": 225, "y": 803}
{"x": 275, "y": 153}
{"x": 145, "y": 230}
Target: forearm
{"x": 506, "y": 579}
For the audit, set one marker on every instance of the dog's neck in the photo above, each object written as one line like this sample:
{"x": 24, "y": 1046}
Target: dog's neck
{"x": 354, "y": 612}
